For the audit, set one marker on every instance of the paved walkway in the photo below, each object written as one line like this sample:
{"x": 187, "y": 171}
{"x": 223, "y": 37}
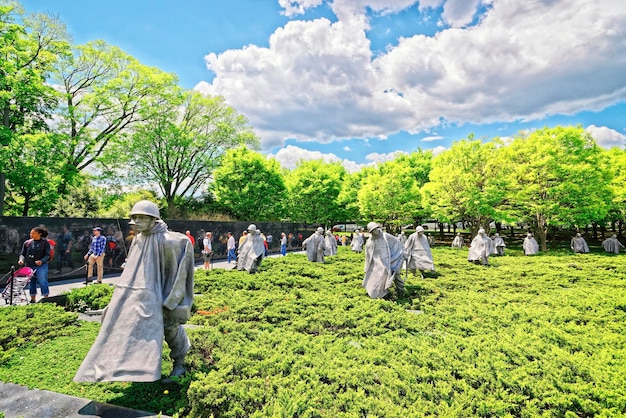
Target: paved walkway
{"x": 20, "y": 402}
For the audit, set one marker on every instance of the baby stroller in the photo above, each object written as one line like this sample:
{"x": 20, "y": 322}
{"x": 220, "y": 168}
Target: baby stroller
{"x": 19, "y": 280}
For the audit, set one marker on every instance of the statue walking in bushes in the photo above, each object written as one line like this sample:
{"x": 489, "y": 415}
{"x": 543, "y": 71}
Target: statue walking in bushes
{"x": 530, "y": 245}
{"x": 357, "y": 241}
{"x": 458, "y": 241}
{"x": 498, "y": 245}
{"x": 251, "y": 251}
{"x": 384, "y": 256}
{"x": 150, "y": 302}
{"x": 612, "y": 244}
{"x": 315, "y": 246}
{"x": 331, "y": 243}
{"x": 480, "y": 248}
{"x": 579, "y": 245}
{"x": 418, "y": 251}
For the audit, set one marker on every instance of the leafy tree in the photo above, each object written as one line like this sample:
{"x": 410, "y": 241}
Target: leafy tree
{"x": 466, "y": 185}
{"x": 313, "y": 188}
{"x": 30, "y": 162}
{"x": 391, "y": 194}
{"x": 121, "y": 205}
{"x": 181, "y": 141}
{"x": 104, "y": 92}
{"x": 82, "y": 201}
{"x": 348, "y": 199}
{"x": 250, "y": 185}
{"x": 29, "y": 46}
{"x": 617, "y": 162}
{"x": 556, "y": 177}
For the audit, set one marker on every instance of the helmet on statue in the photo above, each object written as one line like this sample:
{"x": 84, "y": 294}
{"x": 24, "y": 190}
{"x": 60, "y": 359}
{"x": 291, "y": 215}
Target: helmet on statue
{"x": 146, "y": 207}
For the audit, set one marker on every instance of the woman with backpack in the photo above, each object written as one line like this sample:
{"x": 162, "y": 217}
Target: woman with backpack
{"x": 36, "y": 254}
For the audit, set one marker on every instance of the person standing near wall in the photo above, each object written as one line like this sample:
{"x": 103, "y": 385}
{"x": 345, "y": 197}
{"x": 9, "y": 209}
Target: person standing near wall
{"x": 35, "y": 254}
{"x": 230, "y": 247}
{"x": 283, "y": 244}
{"x": 95, "y": 255}
{"x": 207, "y": 251}
{"x": 65, "y": 241}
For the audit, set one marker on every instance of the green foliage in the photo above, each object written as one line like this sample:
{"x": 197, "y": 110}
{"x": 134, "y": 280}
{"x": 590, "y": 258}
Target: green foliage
{"x": 82, "y": 201}
{"x": 250, "y": 185}
{"x": 617, "y": 163}
{"x": 391, "y": 194}
{"x": 313, "y": 189}
{"x": 120, "y": 205}
{"x": 528, "y": 336}
{"x": 31, "y": 173}
{"x": 466, "y": 184}
{"x": 104, "y": 92}
{"x": 181, "y": 142}
{"x": 89, "y": 298}
{"x": 556, "y": 177}
{"x": 24, "y": 326}
{"x": 29, "y": 47}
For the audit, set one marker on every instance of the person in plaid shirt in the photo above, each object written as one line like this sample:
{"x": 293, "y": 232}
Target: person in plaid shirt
{"x": 96, "y": 254}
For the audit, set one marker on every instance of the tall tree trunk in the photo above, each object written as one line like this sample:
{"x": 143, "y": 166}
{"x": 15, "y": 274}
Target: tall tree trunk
{"x": 542, "y": 231}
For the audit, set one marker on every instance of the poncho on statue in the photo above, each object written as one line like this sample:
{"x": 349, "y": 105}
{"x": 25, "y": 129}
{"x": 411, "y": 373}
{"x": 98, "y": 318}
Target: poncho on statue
{"x": 417, "y": 248}
{"x": 153, "y": 296}
{"x": 384, "y": 256}
{"x": 251, "y": 251}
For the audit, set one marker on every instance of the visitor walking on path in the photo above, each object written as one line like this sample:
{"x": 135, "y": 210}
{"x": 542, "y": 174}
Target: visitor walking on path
{"x": 95, "y": 255}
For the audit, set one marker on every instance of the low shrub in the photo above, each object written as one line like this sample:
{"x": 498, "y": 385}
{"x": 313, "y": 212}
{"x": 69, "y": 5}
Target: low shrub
{"x": 524, "y": 337}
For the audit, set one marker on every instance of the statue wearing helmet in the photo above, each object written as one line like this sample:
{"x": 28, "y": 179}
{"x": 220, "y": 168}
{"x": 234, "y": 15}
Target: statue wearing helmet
{"x": 151, "y": 301}
{"x": 384, "y": 256}
{"x": 315, "y": 246}
{"x": 251, "y": 251}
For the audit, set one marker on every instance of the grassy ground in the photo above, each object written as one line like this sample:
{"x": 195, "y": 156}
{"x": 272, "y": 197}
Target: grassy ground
{"x": 525, "y": 337}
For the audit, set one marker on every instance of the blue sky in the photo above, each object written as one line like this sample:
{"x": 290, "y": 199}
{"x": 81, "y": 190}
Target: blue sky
{"x": 359, "y": 80}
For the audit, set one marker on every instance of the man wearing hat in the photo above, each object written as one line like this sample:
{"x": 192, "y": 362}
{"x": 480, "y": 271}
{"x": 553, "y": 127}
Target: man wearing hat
{"x": 96, "y": 254}
{"x": 384, "y": 256}
{"x": 151, "y": 301}
{"x": 315, "y": 246}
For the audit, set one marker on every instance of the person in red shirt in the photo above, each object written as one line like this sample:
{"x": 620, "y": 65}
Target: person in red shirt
{"x": 193, "y": 240}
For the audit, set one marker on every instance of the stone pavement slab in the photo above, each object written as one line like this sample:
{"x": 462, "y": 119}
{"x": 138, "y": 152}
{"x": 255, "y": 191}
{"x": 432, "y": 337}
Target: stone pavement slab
{"x": 20, "y": 402}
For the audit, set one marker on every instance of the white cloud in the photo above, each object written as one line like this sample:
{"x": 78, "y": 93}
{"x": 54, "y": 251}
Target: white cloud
{"x": 290, "y": 156}
{"x": 438, "y": 150}
{"x": 347, "y": 148}
{"x": 432, "y": 138}
{"x": 298, "y": 7}
{"x": 606, "y": 137}
{"x": 319, "y": 81}
{"x": 376, "y": 157}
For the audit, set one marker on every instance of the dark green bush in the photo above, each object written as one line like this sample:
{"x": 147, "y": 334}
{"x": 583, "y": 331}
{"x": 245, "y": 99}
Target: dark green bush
{"x": 525, "y": 337}
{"x": 89, "y": 298}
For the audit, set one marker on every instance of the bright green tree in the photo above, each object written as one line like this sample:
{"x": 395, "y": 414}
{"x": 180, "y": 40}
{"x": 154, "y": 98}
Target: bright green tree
{"x": 617, "y": 164}
{"x": 105, "y": 92}
{"x": 313, "y": 188}
{"x": 30, "y": 162}
{"x": 348, "y": 199}
{"x": 466, "y": 185}
{"x": 250, "y": 185}
{"x": 181, "y": 141}
{"x": 556, "y": 177}
{"x": 29, "y": 46}
{"x": 391, "y": 194}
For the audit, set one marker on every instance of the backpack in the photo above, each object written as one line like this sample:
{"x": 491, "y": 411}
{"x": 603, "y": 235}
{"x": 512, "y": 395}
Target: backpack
{"x": 52, "y": 243}
{"x": 111, "y": 247}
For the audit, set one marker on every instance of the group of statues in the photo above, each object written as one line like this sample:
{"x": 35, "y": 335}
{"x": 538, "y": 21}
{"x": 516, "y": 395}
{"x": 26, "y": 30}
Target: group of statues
{"x": 385, "y": 255}
{"x": 154, "y": 295}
